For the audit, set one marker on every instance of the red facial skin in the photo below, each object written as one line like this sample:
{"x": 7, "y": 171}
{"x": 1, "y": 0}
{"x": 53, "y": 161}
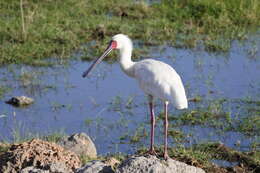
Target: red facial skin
{"x": 113, "y": 44}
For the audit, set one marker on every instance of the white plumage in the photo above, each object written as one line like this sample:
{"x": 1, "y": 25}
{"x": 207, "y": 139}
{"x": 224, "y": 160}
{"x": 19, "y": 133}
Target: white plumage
{"x": 161, "y": 81}
{"x": 155, "y": 78}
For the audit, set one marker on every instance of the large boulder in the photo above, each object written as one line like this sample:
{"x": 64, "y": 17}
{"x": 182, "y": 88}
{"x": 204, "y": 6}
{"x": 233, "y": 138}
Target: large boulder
{"x": 95, "y": 166}
{"x": 79, "y": 143}
{"x": 141, "y": 164}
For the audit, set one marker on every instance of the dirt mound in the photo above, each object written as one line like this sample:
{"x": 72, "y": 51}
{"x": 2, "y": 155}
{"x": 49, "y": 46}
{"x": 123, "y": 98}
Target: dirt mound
{"x": 37, "y": 153}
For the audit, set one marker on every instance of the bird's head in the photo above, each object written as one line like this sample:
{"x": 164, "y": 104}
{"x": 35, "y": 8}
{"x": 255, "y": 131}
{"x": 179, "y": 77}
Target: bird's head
{"x": 118, "y": 41}
{"x": 121, "y": 40}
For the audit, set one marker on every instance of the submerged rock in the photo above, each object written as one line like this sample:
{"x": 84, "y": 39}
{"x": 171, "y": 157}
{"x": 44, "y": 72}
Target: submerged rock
{"x": 143, "y": 164}
{"x": 20, "y": 101}
{"x": 95, "y": 166}
{"x": 79, "y": 143}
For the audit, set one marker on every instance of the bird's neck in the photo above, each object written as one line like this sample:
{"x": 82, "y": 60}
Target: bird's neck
{"x": 126, "y": 62}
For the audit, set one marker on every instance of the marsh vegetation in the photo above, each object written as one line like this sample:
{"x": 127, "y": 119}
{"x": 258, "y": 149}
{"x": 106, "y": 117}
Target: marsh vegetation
{"x": 32, "y": 31}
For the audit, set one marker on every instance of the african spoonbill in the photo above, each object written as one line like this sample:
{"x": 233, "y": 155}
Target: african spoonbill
{"x": 155, "y": 78}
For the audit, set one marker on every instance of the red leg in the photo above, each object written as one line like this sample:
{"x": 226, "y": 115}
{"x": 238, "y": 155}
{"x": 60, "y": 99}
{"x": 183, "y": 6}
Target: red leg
{"x": 165, "y": 155}
{"x": 151, "y": 106}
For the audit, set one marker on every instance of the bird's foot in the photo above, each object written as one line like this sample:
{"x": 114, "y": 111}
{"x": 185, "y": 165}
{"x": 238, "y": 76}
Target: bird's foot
{"x": 151, "y": 152}
{"x": 166, "y": 156}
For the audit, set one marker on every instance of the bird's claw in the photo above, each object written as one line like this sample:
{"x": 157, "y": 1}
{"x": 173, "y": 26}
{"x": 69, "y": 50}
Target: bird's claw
{"x": 166, "y": 156}
{"x": 151, "y": 152}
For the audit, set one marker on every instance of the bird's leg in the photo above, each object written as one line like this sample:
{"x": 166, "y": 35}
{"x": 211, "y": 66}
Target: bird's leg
{"x": 151, "y": 106}
{"x": 165, "y": 155}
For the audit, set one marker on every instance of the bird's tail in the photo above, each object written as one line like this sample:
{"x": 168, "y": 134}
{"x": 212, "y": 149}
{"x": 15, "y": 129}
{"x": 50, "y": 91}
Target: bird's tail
{"x": 180, "y": 100}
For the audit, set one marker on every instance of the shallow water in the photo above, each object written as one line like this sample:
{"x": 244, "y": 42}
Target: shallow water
{"x": 109, "y": 105}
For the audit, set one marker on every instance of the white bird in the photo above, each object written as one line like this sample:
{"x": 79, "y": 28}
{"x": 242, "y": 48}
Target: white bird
{"x": 155, "y": 78}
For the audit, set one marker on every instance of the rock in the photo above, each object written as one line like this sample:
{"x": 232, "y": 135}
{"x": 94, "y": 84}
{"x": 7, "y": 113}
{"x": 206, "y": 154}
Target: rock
{"x": 79, "y": 143}
{"x": 143, "y": 164}
{"x": 57, "y": 167}
{"x": 20, "y": 101}
{"x": 39, "y": 154}
{"x": 51, "y": 168}
{"x": 112, "y": 162}
{"x": 32, "y": 169}
{"x": 95, "y": 166}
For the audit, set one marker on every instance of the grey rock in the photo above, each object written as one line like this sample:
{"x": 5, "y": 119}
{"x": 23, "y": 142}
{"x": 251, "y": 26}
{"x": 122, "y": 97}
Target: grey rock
{"x": 20, "y": 101}
{"x": 151, "y": 164}
{"x": 52, "y": 168}
{"x": 32, "y": 169}
{"x": 80, "y": 144}
{"x": 95, "y": 166}
{"x": 58, "y": 167}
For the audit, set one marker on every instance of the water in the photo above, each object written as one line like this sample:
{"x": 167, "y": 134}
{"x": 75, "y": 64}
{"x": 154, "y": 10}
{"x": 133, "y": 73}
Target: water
{"x": 224, "y": 163}
{"x": 109, "y": 106}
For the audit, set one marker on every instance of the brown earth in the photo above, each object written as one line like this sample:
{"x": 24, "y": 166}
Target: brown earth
{"x": 37, "y": 153}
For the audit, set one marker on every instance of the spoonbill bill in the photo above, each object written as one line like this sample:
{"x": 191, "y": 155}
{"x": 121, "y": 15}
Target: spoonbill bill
{"x": 155, "y": 78}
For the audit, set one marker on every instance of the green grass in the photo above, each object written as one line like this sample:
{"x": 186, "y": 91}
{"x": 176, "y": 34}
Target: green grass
{"x": 4, "y": 147}
{"x": 37, "y": 30}
{"x": 201, "y": 155}
{"x": 54, "y": 137}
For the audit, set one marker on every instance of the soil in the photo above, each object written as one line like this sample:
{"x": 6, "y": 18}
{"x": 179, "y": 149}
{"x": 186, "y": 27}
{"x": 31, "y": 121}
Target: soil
{"x": 37, "y": 153}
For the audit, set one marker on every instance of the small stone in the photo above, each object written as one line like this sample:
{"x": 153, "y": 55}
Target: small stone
{"x": 112, "y": 162}
{"x": 57, "y": 167}
{"x": 20, "y": 101}
{"x": 32, "y": 169}
{"x": 95, "y": 166}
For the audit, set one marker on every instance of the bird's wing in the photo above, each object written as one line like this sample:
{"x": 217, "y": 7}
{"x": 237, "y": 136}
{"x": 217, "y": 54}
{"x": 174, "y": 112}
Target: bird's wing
{"x": 160, "y": 80}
